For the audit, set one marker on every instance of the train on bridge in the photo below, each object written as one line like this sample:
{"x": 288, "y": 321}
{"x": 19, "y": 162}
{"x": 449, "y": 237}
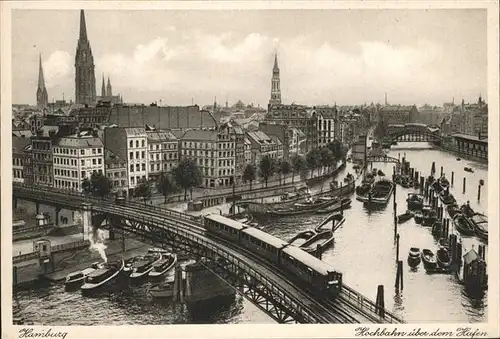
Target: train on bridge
{"x": 324, "y": 280}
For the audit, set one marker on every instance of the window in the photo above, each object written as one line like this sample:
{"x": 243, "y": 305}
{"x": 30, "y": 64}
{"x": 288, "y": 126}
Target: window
{"x": 143, "y": 155}
{"x": 137, "y": 168}
{"x": 131, "y": 144}
{"x": 143, "y": 143}
{"x": 99, "y": 161}
{"x": 93, "y": 151}
{"x": 143, "y": 167}
{"x": 99, "y": 150}
{"x": 131, "y": 168}
{"x": 131, "y": 155}
{"x": 137, "y": 143}
{"x": 93, "y": 162}
{"x": 82, "y": 152}
{"x": 83, "y": 174}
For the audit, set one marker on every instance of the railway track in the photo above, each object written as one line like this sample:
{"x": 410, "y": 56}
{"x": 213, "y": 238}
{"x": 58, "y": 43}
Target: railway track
{"x": 338, "y": 310}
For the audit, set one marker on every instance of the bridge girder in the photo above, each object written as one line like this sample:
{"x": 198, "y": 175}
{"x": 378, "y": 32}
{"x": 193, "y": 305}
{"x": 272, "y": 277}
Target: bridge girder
{"x": 415, "y": 136}
{"x": 381, "y": 158}
{"x": 268, "y": 297}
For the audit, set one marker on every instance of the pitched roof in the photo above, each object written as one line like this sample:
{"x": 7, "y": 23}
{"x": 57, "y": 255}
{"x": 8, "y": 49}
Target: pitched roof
{"x": 79, "y": 141}
{"x": 202, "y": 135}
{"x": 19, "y": 144}
{"x": 158, "y": 136}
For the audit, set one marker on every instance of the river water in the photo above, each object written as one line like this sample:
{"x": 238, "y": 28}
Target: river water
{"x": 364, "y": 251}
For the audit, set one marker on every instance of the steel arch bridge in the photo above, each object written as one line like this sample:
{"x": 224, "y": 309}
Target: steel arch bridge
{"x": 258, "y": 280}
{"x": 382, "y": 158}
{"x": 414, "y": 135}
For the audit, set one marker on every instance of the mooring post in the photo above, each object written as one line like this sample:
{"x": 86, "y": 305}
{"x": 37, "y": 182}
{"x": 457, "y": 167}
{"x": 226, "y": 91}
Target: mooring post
{"x": 37, "y": 204}
{"x": 369, "y": 199}
{"x": 452, "y": 177}
{"x": 399, "y": 276}
{"x": 459, "y": 253}
{"x": 463, "y": 190}
{"x": 379, "y": 301}
{"x": 478, "y": 192}
{"x": 441, "y": 171}
{"x": 397, "y": 247}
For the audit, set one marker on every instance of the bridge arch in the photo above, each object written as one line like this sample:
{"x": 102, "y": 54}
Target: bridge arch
{"x": 413, "y": 134}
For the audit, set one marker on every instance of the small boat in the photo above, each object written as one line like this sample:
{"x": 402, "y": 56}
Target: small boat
{"x": 380, "y": 193}
{"x": 356, "y": 166}
{"x": 429, "y": 259}
{"x": 144, "y": 265}
{"x": 468, "y": 169}
{"x": 394, "y": 143}
{"x": 344, "y": 203}
{"x": 429, "y": 218}
{"x": 444, "y": 182}
{"x": 405, "y": 216}
{"x": 374, "y": 172}
{"x": 443, "y": 258}
{"x": 414, "y": 256}
{"x": 447, "y": 198}
{"x": 406, "y": 182}
{"x": 103, "y": 275}
{"x": 437, "y": 228}
{"x": 444, "y": 243}
{"x": 380, "y": 173}
{"x": 418, "y": 217}
{"x": 462, "y": 225}
{"x": 165, "y": 264}
{"x": 368, "y": 179}
{"x": 436, "y": 186}
{"x": 320, "y": 240}
{"x": 349, "y": 177}
{"x": 480, "y": 223}
{"x": 164, "y": 289}
{"x": 452, "y": 210}
{"x": 78, "y": 278}
{"x": 467, "y": 210}
{"x": 415, "y": 201}
{"x": 458, "y": 159}
{"x": 362, "y": 190}
{"x": 304, "y": 236}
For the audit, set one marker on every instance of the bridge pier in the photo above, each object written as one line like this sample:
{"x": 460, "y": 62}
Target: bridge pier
{"x": 87, "y": 220}
{"x": 58, "y": 209}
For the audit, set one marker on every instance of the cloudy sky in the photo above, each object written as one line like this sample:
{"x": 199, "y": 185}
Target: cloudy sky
{"x": 325, "y": 56}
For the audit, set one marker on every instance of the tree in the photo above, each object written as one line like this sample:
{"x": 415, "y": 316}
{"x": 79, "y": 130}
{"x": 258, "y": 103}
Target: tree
{"x": 167, "y": 185}
{"x": 249, "y": 174}
{"x": 188, "y": 175}
{"x": 143, "y": 189}
{"x": 338, "y": 149}
{"x": 284, "y": 168}
{"x": 98, "y": 185}
{"x": 299, "y": 165}
{"x": 327, "y": 158}
{"x": 313, "y": 159}
{"x": 266, "y": 167}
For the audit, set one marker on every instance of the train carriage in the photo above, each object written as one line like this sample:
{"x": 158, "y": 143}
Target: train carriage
{"x": 227, "y": 228}
{"x": 309, "y": 268}
{"x": 262, "y": 243}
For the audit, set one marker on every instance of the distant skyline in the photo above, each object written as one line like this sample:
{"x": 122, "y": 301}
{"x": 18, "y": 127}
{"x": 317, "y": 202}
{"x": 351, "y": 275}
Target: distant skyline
{"x": 325, "y": 56}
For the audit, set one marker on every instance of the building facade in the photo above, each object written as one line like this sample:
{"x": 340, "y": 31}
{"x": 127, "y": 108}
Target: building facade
{"x": 263, "y": 144}
{"x": 85, "y": 86}
{"x": 20, "y": 158}
{"x": 116, "y": 171}
{"x": 41, "y": 150}
{"x": 76, "y": 158}
{"x": 327, "y": 122}
{"x": 163, "y": 152}
{"x": 130, "y": 144}
{"x": 397, "y": 114}
{"x": 296, "y": 116}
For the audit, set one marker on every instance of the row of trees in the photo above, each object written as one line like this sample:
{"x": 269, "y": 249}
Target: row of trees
{"x": 316, "y": 159}
{"x": 183, "y": 177}
{"x": 187, "y": 174}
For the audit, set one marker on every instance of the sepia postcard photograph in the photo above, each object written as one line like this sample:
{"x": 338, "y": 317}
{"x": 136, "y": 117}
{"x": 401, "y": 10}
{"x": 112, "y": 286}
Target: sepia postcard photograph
{"x": 249, "y": 163}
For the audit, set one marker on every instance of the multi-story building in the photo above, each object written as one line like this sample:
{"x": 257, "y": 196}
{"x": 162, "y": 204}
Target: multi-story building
{"x": 263, "y": 144}
{"x": 297, "y": 143}
{"x": 116, "y": 171}
{"x": 283, "y": 132}
{"x": 41, "y": 150}
{"x": 20, "y": 157}
{"x": 214, "y": 150}
{"x": 130, "y": 144}
{"x": 76, "y": 157}
{"x": 359, "y": 149}
{"x": 163, "y": 152}
{"x": 248, "y": 151}
{"x": 397, "y": 114}
{"x": 327, "y": 121}
{"x": 296, "y": 116}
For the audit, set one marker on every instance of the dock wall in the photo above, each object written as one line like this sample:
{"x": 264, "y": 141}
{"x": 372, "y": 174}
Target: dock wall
{"x": 202, "y": 284}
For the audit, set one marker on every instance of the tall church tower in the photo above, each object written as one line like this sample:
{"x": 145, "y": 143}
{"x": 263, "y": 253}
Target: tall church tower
{"x": 103, "y": 88}
{"x": 85, "y": 88}
{"x": 275, "y": 84}
{"x": 42, "y": 98}
{"x": 109, "y": 90}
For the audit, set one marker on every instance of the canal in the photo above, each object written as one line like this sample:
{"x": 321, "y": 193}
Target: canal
{"x": 364, "y": 251}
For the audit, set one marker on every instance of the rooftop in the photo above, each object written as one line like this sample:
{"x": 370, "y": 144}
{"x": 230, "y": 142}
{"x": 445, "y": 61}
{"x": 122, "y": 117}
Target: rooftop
{"x": 19, "y": 144}
{"x": 79, "y": 141}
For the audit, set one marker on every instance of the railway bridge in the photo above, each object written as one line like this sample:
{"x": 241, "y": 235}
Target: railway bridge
{"x": 280, "y": 295}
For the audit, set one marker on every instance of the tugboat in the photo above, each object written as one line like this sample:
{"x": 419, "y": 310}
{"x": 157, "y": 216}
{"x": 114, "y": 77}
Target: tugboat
{"x": 443, "y": 258}
{"x": 468, "y": 169}
{"x": 405, "y": 216}
{"x": 414, "y": 257}
{"x": 429, "y": 259}
{"x": 415, "y": 201}
{"x": 103, "y": 275}
{"x": 164, "y": 265}
{"x": 142, "y": 267}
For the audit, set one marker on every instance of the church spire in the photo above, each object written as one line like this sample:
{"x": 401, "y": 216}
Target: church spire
{"x": 103, "y": 88}
{"x": 109, "y": 90}
{"x": 275, "y": 83}
{"x": 42, "y": 98}
{"x": 83, "y": 27}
